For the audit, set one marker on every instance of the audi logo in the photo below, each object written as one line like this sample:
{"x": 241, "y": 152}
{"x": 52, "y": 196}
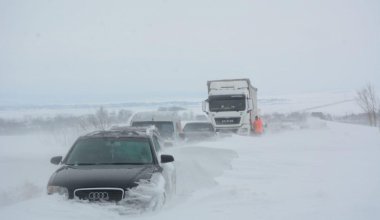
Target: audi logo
{"x": 98, "y": 196}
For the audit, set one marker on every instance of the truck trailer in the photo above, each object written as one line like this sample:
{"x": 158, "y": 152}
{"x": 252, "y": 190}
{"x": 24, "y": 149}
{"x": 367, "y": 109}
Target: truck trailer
{"x": 231, "y": 105}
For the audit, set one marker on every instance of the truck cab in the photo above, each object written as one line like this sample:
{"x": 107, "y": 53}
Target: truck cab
{"x": 231, "y": 105}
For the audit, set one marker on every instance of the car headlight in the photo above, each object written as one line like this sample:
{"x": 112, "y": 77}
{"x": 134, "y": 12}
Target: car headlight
{"x": 58, "y": 189}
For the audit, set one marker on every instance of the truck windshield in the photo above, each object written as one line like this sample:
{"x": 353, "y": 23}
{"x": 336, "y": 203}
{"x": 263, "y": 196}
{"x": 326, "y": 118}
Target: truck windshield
{"x": 225, "y": 103}
{"x": 165, "y": 128}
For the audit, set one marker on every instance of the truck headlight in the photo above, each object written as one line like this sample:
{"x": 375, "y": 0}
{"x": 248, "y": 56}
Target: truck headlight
{"x": 58, "y": 189}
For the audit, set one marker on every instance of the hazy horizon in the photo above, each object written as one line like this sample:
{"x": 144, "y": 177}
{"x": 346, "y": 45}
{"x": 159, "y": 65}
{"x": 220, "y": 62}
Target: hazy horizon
{"x": 69, "y": 52}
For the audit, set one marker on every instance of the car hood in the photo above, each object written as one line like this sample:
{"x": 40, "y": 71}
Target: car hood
{"x": 92, "y": 176}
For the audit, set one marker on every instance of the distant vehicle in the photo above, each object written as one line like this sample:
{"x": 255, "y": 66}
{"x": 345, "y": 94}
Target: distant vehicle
{"x": 201, "y": 117}
{"x": 231, "y": 105}
{"x": 104, "y": 165}
{"x": 168, "y": 123}
{"x": 198, "y": 130}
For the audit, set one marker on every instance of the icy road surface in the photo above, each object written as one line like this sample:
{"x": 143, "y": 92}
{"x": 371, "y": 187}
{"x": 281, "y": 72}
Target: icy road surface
{"x": 325, "y": 171}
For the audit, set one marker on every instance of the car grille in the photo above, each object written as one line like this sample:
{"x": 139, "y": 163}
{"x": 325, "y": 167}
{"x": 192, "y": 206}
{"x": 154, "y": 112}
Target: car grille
{"x": 227, "y": 121}
{"x": 99, "y": 194}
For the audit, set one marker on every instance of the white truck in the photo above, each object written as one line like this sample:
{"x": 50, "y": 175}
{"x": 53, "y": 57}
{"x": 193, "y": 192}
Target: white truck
{"x": 231, "y": 105}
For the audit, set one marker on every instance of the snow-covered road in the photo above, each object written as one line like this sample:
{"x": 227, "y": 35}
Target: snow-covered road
{"x": 325, "y": 171}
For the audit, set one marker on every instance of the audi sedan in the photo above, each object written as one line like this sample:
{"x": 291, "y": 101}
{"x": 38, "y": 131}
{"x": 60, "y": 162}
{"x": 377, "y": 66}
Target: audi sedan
{"x": 106, "y": 165}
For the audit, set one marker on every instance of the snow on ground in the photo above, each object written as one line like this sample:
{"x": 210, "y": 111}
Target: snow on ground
{"x": 342, "y": 103}
{"x": 45, "y": 111}
{"x": 327, "y": 171}
{"x": 332, "y": 102}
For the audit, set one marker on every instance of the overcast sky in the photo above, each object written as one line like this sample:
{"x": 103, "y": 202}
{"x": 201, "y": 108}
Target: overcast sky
{"x": 104, "y": 51}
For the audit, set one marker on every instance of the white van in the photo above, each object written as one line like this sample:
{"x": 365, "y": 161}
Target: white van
{"x": 168, "y": 123}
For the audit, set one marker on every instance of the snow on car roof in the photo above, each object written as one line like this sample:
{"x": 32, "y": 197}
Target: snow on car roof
{"x": 156, "y": 116}
{"x": 184, "y": 123}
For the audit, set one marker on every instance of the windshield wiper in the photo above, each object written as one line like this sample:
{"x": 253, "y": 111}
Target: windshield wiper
{"x": 84, "y": 164}
{"x": 79, "y": 164}
{"x": 122, "y": 163}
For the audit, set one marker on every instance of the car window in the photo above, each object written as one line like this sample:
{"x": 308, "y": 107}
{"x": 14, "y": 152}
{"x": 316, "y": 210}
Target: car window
{"x": 165, "y": 128}
{"x": 205, "y": 127}
{"x": 110, "y": 151}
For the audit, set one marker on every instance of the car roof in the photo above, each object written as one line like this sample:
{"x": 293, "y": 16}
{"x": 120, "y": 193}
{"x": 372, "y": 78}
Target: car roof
{"x": 125, "y": 131}
{"x": 156, "y": 116}
{"x": 184, "y": 123}
{"x": 197, "y": 122}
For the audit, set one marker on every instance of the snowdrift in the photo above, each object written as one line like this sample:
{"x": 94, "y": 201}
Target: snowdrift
{"x": 323, "y": 170}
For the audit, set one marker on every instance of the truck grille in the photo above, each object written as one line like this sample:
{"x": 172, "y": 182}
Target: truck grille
{"x": 227, "y": 121}
{"x": 99, "y": 194}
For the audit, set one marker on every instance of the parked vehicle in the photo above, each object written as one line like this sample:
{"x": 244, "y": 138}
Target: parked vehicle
{"x": 105, "y": 165}
{"x": 168, "y": 123}
{"x": 231, "y": 105}
{"x": 198, "y": 130}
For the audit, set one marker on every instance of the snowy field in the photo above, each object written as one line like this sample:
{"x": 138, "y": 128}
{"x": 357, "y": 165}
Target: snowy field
{"x": 333, "y": 102}
{"x": 325, "y": 170}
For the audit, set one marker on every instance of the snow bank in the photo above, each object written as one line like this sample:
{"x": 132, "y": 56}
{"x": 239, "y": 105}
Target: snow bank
{"x": 323, "y": 170}
{"x": 198, "y": 166}
{"x": 147, "y": 196}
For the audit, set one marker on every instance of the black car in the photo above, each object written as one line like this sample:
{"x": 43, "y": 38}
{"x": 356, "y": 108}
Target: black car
{"x": 105, "y": 165}
{"x": 198, "y": 130}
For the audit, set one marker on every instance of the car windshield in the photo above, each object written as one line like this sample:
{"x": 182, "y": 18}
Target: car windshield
{"x": 202, "y": 127}
{"x": 110, "y": 151}
{"x": 227, "y": 103}
{"x": 165, "y": 128}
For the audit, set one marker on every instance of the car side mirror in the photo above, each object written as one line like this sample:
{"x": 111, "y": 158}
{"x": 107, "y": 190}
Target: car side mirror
{"x": 249, "y": 106}
{"x": 56, "y": 160}
{"x": 205, "y": 106}
{"x": 166, "y": 158}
